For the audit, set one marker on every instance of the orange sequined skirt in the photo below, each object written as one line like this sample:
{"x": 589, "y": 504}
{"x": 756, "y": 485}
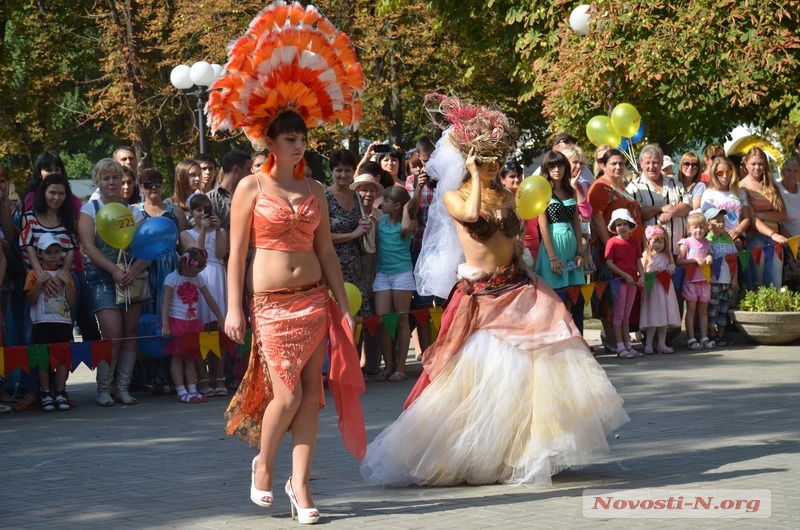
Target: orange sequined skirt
{"x": 288, "y": 326}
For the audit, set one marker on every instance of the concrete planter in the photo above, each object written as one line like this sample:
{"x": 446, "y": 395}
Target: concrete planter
{"x": 768, "y": 327}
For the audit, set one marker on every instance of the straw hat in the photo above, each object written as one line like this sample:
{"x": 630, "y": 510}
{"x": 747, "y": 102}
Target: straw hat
{"x": 364, "y": 179}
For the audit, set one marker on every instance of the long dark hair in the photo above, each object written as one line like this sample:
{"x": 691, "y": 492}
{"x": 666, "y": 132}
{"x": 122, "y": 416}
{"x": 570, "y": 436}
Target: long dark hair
{"x": 553, "y": 159}
{"x": 66, "y": 212}
{"x": 45, "y": 160}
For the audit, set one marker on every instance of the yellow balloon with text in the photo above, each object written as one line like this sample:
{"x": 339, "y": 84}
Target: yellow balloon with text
{"x": 533, "y": 196}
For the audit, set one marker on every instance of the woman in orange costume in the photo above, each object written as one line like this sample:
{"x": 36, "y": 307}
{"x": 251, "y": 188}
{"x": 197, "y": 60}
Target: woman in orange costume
{"x": 511, "y": 392}
{"x": 284, "y": 216}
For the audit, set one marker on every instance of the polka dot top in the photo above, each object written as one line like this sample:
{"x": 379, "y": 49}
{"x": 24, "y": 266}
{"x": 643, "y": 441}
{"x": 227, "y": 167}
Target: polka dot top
{"x": 561, "y": 211}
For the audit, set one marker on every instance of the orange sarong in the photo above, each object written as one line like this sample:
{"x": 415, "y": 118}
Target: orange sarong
{"x": 287, "y": 328}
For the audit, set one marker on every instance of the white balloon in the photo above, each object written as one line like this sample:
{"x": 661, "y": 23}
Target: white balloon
{"x": 579, "y": 20}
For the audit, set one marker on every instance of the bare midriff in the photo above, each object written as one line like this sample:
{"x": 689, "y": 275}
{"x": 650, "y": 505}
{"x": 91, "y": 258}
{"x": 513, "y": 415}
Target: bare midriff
{"x": 488, "y": 255}
{"x": 276, "y": 269}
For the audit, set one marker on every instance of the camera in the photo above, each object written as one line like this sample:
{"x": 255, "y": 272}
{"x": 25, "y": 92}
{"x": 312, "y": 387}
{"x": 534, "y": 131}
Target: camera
{"x": 207, "y": 210}
{"x": 382, "y": 148}
{"x": 431, "y": 182}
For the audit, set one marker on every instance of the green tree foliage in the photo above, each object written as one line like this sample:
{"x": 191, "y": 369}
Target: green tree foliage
{"x": 693, "y": 69}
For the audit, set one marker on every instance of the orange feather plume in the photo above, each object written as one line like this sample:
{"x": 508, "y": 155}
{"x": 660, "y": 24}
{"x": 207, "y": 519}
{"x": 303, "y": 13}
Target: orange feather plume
{"x": 290, "y": 57}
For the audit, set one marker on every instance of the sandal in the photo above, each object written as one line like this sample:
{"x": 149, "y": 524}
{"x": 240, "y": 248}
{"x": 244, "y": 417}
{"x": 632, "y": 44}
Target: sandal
{"x": 191, "y": 398}
{"x": 665, "y": 349}
{"x": 397, "y": 377}
{"x": 722, "y": 341}
{"x": 626, "y": 354}
{"x": 206, "y": 390}
{"x": 220, "y": 390}
{"x": 648, "y": 350}
{"x": 27, "y": 403}
{"x": 381, "y": 377}
{"x": 707, "y": 343}
{"x": 694, "y": 345}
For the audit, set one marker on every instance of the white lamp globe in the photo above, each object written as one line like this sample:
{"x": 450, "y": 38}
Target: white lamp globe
{"x": 218, "y": 69}
{"x": 202, "y": 74}
{"x": 579, "y": 20}
{"x": 179, "y": 77}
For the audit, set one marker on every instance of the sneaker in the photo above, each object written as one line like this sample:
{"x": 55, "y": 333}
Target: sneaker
{"x": 4, "y": 408}
{"x": 62, "y": 402}
{"x": 47, "y": 403}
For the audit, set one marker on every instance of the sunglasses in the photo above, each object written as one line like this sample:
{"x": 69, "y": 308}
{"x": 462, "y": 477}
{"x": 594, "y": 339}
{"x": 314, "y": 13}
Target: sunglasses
{"x": 690, "y": 164}
{"x": 149, "y": 184}
{"x": 727, "y": 172}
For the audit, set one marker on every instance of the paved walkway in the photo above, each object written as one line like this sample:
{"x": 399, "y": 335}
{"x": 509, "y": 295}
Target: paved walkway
{"x": 722, "y": 419}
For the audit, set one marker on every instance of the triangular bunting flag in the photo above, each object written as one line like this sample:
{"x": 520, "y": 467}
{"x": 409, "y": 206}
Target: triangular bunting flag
{"x": 794, "y": 242}
{"x": 80, "y": 352}
{"x": 733, "y": 261}
{"x": 690, "y": 269}
{"x": 664, "y": 278}
{"x": 17, "y": 357}
{"x": 2, "y": 362}
{"x": 371, "y": 324}
{"x": 101, "y": 351}
{"x": 705, "y": 270}
{"x": 562, "y": 293}
{"x": 436, "y": 321}
{"x": 574, "y": 293}
{"x": 615, "y": 287}
{"x": 357, "y": 333}
{"x": 677, "y": 278}
{"x": 587, "y": 291}
{"x": 769, "y": 257}
{"x": 59, "y": 355}
{"x": 209, "y": 343}
{"x": 756, "y": 253}
{"x": 716, "y": 266}
{"x": 244, "y": 349}
{"x": 188, "y": 345}
{"x": 37, "y": 356}
{"x": 744, "y": 259}
{"x": 422, "y": 316}
{"x": 649, "y": 279}
{"x": 600, "y": 288}
{"x": 778, "y": 248}
{"x": 390, "y": 321}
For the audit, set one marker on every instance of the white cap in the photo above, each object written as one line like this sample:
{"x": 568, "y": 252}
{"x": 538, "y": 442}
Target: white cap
{"x": 46, "y": 241}
{"x": 667, "y": 162}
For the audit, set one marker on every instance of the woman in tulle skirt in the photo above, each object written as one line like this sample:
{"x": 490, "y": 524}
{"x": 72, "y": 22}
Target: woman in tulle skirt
{"x": 510, "y": 392}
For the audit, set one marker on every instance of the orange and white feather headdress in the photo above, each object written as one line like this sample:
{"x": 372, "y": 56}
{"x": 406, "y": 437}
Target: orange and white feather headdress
{"x": 291, "y": 58}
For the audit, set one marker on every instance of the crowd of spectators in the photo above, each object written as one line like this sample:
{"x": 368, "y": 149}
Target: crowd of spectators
{"x": 378, "y": 211}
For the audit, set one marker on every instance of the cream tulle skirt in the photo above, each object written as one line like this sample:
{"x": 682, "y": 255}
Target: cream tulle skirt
{"x": 500, "y": 414}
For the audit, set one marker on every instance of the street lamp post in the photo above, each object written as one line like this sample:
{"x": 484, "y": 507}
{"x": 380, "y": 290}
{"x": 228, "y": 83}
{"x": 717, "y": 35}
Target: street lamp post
{"x": 194, "y": 81}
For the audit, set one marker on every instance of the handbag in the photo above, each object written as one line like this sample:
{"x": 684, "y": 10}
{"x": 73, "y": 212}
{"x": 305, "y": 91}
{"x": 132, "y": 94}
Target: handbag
{"x": 138, "y": 291}
{"x": 367, "y": 241}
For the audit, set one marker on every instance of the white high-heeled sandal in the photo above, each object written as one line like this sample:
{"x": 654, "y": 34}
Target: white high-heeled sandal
{"x": 257, "y": 495}
{"x": 304, "y": 515}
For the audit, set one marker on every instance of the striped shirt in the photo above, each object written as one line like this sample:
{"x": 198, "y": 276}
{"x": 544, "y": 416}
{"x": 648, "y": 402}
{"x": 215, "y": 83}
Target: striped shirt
{"x": 671, "y": 193}
{"x": 33, "y": 230}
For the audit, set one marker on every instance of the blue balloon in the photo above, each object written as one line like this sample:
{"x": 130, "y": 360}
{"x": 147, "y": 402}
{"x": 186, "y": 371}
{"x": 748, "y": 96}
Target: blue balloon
{"x": 624, "y": 144}
{"x": 639, "y": 134}
{"x": 150, "y": 341}
{"x": 154, "y": 238}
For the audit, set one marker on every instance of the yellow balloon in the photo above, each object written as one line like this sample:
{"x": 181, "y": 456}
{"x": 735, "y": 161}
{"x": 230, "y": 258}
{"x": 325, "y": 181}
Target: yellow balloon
{"x": 626, "y": 120}
{"x": 353, "y": 297}
{"x": 115, "y": 225}
{"x": 533, "y": 196}
{"x": 600, "y": 131}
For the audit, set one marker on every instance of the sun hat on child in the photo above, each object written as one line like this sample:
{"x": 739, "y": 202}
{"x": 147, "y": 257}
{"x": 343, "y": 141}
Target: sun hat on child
{"x": 46, "y": 241}
{"x": 623, "y": 214}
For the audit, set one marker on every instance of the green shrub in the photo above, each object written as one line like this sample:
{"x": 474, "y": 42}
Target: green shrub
{"x": 770, "y": 299}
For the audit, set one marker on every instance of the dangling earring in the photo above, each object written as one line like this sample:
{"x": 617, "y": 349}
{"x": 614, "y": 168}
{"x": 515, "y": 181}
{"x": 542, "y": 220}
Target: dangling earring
{"x": 269, "y": 164}
{"x": 300, "y": 169}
